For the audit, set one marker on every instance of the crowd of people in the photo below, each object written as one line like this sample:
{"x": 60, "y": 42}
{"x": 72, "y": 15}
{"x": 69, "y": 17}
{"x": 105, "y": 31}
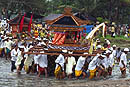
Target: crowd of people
{"x": 89, "y": 67}
{"x": 65, "y": 66}
{"x": 100, "y": 65}
{"x": 118, "y": 30}
{"x": 114, "y": 29}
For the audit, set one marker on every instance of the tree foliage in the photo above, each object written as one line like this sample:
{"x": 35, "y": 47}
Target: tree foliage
{"x": 113, "y": 10}
{"x": 9, "y": 7}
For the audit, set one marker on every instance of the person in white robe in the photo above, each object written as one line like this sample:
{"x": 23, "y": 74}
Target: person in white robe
{"x": 92, "y": 67}
{"x": 59, "y": 69}
{"x": 79, "y": 67}
{"x": 26, "y": 49}
{"x": 42, "y": 64}
{"x": 35, "y": 67}
{"x": 97, "y": 64}
{"x": 118, "y": 54}
{"x": 28, "y": 62}
{"x": 70, "y": 63}
{"x": 20, "y": 60}
{"x": 8, "y": 47}
{"x": 114, "y": 51}
{"x": 123, "y": 62}
{"x": 109, "y": 61}
{"x": 14, "y": 54}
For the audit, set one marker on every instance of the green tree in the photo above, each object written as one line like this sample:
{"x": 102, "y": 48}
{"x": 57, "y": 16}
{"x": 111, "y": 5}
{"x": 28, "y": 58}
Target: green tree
{"x": 114, "y": 10}
{"x": 86, "y": 6}
{"x": 15, "y": 6}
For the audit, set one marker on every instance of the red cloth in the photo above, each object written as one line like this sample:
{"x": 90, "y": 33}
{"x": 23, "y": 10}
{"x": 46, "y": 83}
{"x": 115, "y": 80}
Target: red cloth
{"x": 55, "y": 37}
{"x": 41, "y": 69}
{"x": 61, "y": 41}
{"x": 21, "y": 24}
{"x": 59, "y": 37}
{"x": 29, "y": 26}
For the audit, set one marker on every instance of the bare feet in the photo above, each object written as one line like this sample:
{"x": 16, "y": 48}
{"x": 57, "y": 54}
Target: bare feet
{"x": 123, "y": 76}
{"x": 18, "y": 72}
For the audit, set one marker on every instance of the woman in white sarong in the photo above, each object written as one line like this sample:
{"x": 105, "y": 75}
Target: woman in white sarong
{"x": 70, "y": 63}
{"x": 28, "y": 63}
{"x": 20, "y": 60}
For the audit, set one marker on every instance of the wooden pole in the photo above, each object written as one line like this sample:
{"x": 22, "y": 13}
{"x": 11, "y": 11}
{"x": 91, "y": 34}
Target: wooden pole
{"x": 52, "y": 54}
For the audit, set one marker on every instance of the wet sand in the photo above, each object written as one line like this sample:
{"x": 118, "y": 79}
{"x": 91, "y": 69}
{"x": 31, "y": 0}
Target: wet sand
{"x": 9, "y": 79}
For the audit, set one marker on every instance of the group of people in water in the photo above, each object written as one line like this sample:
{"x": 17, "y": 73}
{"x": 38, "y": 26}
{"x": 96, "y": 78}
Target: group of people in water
{"x": 93, "y": 66}
{"x": 100, "y": 65}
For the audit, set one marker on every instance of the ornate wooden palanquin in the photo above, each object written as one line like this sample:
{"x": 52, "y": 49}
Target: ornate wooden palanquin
{"x": 67, "y": 23}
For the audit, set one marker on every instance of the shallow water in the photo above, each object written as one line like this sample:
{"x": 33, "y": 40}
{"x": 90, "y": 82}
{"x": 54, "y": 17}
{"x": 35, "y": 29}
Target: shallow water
{"x": 9, "y": 79}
